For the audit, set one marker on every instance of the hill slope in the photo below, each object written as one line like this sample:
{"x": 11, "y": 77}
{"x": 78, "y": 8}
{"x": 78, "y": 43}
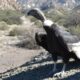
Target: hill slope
{"x": 9, "y": 4}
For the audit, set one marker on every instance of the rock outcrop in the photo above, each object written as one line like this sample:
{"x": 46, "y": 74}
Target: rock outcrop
{"x": 9, "y": 4}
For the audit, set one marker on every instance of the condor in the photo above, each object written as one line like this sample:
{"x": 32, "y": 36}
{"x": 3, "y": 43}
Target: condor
{"x": 57, "y": 41}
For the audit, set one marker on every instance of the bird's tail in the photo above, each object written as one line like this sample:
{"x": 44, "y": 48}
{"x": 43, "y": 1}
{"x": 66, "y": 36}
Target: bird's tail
{"x": 76, "y": 49}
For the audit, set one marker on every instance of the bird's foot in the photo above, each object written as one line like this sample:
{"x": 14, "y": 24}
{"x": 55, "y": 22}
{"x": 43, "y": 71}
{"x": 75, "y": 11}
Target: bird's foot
{"x": 59, "y": 74}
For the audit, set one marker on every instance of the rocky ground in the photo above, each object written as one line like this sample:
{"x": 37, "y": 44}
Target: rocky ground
{"x": 18, "y": 63}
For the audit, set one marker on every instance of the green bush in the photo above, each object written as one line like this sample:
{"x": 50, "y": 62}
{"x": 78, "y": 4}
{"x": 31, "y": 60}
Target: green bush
{"x": 75, "y": 30}
{"x": 55, "y": 15}
{"x": 16, "y": 31}
{"x": 20, "y": 31}
{"x": 73, "y": 19}
{"x": 3, "y": 26}
{"x": 10, "y": 17}
{"x": 61, "y": 21}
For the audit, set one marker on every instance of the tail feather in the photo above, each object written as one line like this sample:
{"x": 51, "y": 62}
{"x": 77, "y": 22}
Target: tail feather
{"x": 76, "y": 49}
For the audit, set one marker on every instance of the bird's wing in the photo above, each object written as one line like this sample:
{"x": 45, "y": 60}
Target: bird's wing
{"x": 72, "y": 42}
{"x": 67, "y": 36}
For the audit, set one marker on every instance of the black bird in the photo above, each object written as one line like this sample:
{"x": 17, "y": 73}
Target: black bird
{"x": 57, "y": 40}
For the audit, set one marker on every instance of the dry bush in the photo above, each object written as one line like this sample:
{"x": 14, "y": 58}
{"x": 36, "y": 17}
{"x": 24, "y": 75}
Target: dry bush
{"x": 10, "y": 16}
{"x": 17, "y": 31}
{"x": 72, "y": 19}
{"x": 28, "y": 43}
{"x": 26, "y": 35}
{"x": 3, "y": 25}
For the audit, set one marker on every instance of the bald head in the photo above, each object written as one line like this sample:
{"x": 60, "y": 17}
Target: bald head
{"x": 37, "y": 13}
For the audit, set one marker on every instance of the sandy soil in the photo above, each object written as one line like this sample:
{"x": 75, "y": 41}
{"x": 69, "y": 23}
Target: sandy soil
{"x": 26, "y": 66}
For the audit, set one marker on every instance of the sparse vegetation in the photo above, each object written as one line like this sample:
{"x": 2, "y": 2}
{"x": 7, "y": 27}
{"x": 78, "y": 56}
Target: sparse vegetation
{"x": 75, "y": 30}
{"x": 36, "y": 22}
{"x": 26, "y": 37}
{"x": 10, "y": 16}
{"x": 18, "y": 31}
{"x": 73, "y": 19}
{"x": 3, "y": 26}
{"x": 56, "y": 15}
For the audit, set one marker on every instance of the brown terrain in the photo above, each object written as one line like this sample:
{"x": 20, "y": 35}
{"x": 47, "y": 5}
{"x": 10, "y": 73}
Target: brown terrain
{"x": 9, "y": 4}
{"x": 19, "y": 60}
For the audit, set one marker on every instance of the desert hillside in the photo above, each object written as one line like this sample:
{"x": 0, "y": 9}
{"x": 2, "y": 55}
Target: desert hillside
{"x": 9, "y": 4}
{"x": 20, "y": 56}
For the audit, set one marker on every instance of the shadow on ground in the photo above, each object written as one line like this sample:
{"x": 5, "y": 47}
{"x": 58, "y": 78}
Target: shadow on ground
{"x": 42, "y": 72}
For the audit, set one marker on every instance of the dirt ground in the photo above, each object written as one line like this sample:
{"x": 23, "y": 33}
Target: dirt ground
{"x": 24, "y": 64}
{"x": 20, "y": 64}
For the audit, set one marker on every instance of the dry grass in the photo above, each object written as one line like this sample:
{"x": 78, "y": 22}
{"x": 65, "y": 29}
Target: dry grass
{"x": 3, "y": 26}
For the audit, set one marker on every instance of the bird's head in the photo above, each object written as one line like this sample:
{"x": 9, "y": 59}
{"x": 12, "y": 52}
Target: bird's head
{"x": 37, "y": 13}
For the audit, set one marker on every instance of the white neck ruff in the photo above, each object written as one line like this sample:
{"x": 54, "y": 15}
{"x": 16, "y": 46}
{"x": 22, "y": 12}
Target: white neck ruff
{"x": 47, "y": 23}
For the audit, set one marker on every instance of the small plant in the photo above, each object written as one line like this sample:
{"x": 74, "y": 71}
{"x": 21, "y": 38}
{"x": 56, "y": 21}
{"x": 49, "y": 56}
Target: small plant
{"x": 26, "y": 37}
{"x": 16, "y": 31}
{"x": 3, "y": 26}
{"x": 10, "y": 16}
{"x": 76, "y": 29}
{"x": 73, "y": 19}
{"x": 36, "y": 22}
{"x": 20, "y": 31}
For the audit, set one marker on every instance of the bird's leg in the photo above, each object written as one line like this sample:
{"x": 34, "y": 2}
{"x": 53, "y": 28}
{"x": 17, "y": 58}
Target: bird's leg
{"x": 63, "y": 70}
{"x": 54, "y": 68}
{"x": 54, "y": 57}
{"x": 62, "y": 73}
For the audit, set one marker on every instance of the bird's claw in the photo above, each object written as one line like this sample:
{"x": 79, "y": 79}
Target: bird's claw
{"x": 59, "y": 74}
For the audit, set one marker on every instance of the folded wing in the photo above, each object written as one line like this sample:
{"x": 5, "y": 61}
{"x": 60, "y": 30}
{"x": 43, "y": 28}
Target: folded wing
{"x": 72, "y": 41}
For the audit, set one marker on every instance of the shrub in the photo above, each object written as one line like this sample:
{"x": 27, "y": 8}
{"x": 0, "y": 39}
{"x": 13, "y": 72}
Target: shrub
{"x": 17, "y": 31}
{"x": 36, "y": 22}
{"x": 28, "y": 43}
{"x": 3, "y": 26}
{"x": 55, "y": 15}
{"x": 61, "y": 21}
{"x": 26, "y": 37}
{"x": 73, "y": 19}
{"x": 75, "y": 30}
{"x": 10, "y": 17}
